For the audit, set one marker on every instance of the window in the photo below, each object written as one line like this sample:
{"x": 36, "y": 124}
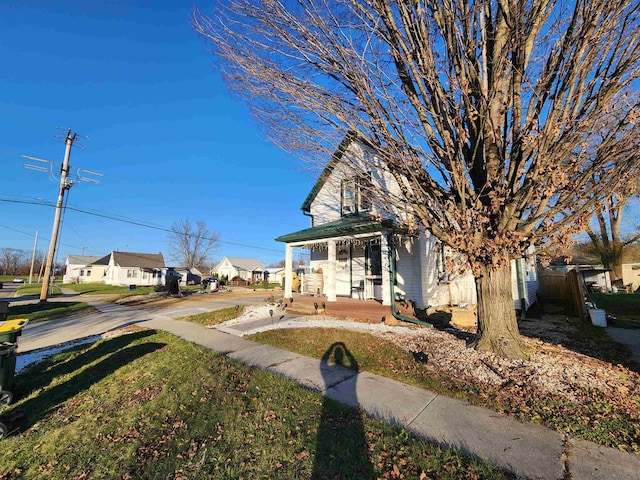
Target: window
{"x": 82, "y": 273}
{"x": 348, "y": 194}
{"x": 144, "y": 275}
{"x": 129, "y": 273}
{"x": 135, "y": 274}
{"x": 355, "y": 195}
{"x": 88, "y": 273}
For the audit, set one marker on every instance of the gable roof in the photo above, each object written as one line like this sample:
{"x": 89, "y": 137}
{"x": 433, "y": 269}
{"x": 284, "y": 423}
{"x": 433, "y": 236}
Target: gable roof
{"x": 240, "y": 263}
{"x": 140, "y": 260}
{"x": 81, "y": 259}
{"x": 102, "y": 260}
{"x": 326, "y": 173}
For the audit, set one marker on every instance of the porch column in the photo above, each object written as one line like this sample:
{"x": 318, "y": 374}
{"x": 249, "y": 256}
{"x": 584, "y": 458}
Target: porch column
{"x": 330, "y": 286}
{"x": 288, "y": 274}
{"x": 386, "y": 269}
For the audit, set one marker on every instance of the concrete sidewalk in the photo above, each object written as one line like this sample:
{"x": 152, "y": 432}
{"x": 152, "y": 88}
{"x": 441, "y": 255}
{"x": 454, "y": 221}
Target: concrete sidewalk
{"x": 528, "y": 450}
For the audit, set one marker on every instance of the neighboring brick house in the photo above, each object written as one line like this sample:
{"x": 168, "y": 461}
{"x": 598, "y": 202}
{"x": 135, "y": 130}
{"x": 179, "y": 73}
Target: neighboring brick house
{"x": 364, "y": 249}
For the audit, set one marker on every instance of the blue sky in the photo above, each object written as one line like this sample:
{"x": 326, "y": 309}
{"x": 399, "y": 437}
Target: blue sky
{"x": 171, "y": 143}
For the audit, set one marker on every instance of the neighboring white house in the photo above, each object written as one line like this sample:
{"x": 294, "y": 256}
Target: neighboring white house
{"x": 631, "y": 275}
{"x": 592, "y": 273}
{"x": 85, "y": 269}
{"x": 190, "y": 275}
{"x": 364, "y": 249}
{"x": 129, "y": 268}
{"x": 248, "y": 269}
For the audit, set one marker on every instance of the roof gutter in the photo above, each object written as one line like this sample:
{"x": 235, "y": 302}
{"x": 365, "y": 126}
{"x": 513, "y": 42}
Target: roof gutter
{"x": 308, "y": 214}
{"x": 392, "y": 287}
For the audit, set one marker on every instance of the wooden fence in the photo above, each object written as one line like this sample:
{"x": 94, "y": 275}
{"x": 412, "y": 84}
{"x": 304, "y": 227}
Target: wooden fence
{"x": 564, "y": 287}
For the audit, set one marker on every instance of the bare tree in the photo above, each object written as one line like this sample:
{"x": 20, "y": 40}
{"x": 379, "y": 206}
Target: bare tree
{"x": 482, "y": 110}
{"x": 607, "y": 240}
{"x": 190, "y": 245}
{"x": 11, "y": 259}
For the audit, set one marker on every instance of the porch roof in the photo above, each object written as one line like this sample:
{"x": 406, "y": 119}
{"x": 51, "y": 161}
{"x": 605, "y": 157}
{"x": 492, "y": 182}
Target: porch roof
{"x": 345, "y": 226}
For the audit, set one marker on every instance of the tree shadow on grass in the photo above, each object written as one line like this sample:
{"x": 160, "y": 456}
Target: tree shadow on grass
{"x": 112, "y": 355}
{"x": 341, "y": 448}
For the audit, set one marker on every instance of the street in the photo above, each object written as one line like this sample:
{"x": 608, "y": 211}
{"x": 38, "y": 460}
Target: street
{"x": 112, "y": 316}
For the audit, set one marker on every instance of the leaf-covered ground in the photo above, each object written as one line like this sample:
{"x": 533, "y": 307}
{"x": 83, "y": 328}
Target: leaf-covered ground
{"x": 149, "y": 405}
{"x": 572, "y": 381}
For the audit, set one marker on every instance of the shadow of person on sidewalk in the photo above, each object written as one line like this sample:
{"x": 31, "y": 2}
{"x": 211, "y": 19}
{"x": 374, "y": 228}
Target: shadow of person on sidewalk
{"x": 341, "y": 447}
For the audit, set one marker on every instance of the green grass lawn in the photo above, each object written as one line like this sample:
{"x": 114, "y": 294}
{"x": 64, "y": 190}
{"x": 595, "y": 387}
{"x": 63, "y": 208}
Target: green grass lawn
{"x": 149, "y": 405}
{"x": 215, "y": 317}
{"x": 624, "y": 306}
{"x": 35, "y": 289}
{"x": 102, "y": 289}
{"x": 597, "y": 421}
{"x": 38, "y": 312}
{"x": 9, "y": 278}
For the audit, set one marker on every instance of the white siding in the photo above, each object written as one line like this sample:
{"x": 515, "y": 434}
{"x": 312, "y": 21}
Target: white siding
{"x": 326, "y": 205}
{"x": 631, "y": 275}
{"x": 529, "y": 279}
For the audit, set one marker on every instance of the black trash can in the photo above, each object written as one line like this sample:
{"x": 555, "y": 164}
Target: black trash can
{"x": 7, "y": 372}
{"x": 4, "y": 310}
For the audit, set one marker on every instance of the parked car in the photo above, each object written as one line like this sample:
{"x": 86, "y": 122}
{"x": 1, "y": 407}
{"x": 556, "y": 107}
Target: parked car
{"x": 18, "y": 280}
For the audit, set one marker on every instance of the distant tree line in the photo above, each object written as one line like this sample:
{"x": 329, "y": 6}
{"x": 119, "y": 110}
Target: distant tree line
{"x": 14, "y": 261}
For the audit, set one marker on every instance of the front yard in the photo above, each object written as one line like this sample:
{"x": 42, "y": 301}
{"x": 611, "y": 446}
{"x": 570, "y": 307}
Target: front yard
{"x": 149, "y": 405}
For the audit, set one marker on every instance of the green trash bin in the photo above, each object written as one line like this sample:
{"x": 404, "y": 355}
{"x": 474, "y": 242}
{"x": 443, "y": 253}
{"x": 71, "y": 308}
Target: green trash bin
{"x": 7, "y": 372}
{"x": 10, "y": 330}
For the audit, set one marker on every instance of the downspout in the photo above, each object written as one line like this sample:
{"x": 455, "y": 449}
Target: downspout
{"x": 392, "y": 285}
{"x": 308, "y": 214}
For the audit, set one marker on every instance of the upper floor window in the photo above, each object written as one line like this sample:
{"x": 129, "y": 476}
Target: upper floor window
{"x": 355, "y": 195}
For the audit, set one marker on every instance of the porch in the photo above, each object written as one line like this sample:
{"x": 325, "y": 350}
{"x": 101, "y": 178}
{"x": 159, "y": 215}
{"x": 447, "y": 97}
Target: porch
{"x": 368, "y": 311}
{"x": 349, "y": 258}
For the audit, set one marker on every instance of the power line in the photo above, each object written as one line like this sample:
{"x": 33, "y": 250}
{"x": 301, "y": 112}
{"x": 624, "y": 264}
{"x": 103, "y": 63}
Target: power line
{"x": 43, "y": 238}
{"x": 133, "y": 222}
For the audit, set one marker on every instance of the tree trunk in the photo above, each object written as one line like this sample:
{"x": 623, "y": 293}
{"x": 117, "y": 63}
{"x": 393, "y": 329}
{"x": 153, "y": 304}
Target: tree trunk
{"x": 611, "y": 258}
{"x": 497, "y": 324}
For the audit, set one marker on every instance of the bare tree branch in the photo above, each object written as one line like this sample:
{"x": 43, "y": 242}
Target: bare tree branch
{"x": 483, "y": 111}
{"x": 190, "y": 245}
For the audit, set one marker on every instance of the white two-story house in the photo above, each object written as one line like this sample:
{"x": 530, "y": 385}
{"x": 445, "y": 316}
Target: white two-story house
{"x": 366, "y": 248}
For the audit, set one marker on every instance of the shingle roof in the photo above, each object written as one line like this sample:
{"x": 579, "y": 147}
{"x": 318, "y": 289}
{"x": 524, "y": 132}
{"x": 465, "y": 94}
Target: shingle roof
{"x": 81, "y": 259}
{"x": 102, "y": 260}
{"x": 247, "y": 264}
{"x": 343, "y": 227}
{"x": 140, "y": 260}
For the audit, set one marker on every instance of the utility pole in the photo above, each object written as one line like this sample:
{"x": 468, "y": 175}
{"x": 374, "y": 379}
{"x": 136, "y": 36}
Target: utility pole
{"x": 64, "y": 185}
{"x": 33, "y": 257}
